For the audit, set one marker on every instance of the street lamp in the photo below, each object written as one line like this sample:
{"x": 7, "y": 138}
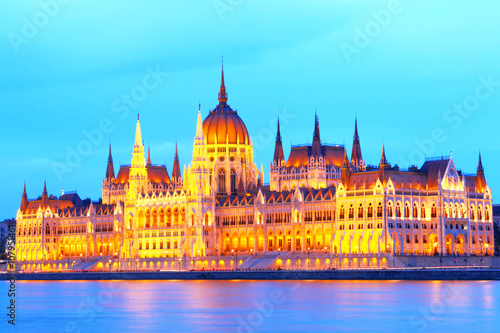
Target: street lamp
{"x": 217, "y": 251}
{"x": 308, "y": 258}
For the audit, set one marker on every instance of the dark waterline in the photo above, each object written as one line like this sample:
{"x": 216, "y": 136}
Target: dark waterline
{"x": 255, "y": 306}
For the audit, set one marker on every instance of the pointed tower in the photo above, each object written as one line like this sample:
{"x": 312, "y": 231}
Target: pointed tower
{"x": 45, "y": 196}
{"x": 356, "y": 157}
{"x": 110, "y": 171}
{"x": 148, "y": 162}
{"x": 222, "y": 92}
{"x": 480, "y": 179}
{"x": 138, "y": 174}
{"x": 176, "y": 171}
{"x": 279, "y": 157}
{"x": 316, "y": 145}
{"x": 383, "y": 166}
{"x": 24, "y": 200}
{"x": 346, "y": 171}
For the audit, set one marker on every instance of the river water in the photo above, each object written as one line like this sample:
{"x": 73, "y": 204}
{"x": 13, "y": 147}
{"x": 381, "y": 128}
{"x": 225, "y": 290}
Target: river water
{"x": 254, "y": 306}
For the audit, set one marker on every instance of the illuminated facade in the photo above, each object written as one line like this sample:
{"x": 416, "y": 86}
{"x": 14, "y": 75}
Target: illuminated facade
{"x": 318, "y": 200}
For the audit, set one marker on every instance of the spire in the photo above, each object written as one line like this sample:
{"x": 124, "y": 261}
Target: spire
{"x": 45, "y": 197}
{"x": 316, "y": 146}
{"x": 383, "y": 159}
{"x": 346, "y": 163}
{"x": 110, "y": 171}
{"x": 222, "y": 93}
{"x": 176, "y": 171}
{"x": 356, "y": 157}
{"x": 148, "y": 162}
{"x": 199, "y": 125}
{"x": 138, "y": 137}
{"x": 24, "y": 200}
{"x": 278, "y": 148}
{"x": 44, "y": 194}
{"x": 383, "y": 175}
{"x": 480, "y": 179}
{"x": 316, "y": 126}
{"x": 346, "y": 170}
{"x": 480, "y": 164}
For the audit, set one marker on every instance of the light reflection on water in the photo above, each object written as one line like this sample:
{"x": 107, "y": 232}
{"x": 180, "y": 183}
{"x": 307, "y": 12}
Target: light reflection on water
{"x": 256, "y": 306}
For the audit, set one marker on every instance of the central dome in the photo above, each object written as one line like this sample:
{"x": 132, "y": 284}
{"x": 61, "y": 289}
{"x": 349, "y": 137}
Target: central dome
{"x": 223, "y": 123}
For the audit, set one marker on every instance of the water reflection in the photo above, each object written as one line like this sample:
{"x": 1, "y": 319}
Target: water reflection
{"x": 253, "y": 306}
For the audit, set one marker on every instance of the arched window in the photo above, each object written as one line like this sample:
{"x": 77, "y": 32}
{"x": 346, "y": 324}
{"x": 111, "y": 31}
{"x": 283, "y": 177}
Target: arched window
{"x": 370, "y": 210}
{"x": 341, "y": 212}
{"x": 379, "y": 209}
{"x": 433, "y": 210}
{"x": 169, "y": 218}
{"x": 472, "y": 215}
{"x": 154, "y": 221}
{"x": 457, "y": 211}
{"x": 463, "y": 214}
{"x": 206, "y": 219}
{"x": 176, "y": 217}
{"x": 422, "y": 214}
{"x": 480, "y": 213}
{"x": 389, "y": 209}
{"x": 407, "y": 238}
{"x": 415, "y": 210}
{"x": 222, "y": 181}
{"x": 148, "y": 219}
{"x": 416, "y": 239}
{"x": 351, "y": 211}
{"x": 398, "y": 210}
{"x": 360, "y": 211}
{"x": 141, "y": 219}
{"x": 407, "y": 210}
{"x": 233, "y": 181}
{"x": 446, "y": 210}
{"x": 487, "y": 213}
{"x": 162, "y": 218}
{"x": 183, "y": 216}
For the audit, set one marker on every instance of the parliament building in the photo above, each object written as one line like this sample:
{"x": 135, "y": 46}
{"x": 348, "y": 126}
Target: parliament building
{"x": 319, "y": 203}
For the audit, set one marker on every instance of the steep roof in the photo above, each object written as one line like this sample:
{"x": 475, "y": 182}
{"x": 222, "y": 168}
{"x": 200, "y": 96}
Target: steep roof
{"x": 156, "y": 174}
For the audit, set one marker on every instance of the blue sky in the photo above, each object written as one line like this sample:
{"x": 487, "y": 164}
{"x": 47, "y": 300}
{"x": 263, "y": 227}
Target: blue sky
{"x": 423, "y": 78}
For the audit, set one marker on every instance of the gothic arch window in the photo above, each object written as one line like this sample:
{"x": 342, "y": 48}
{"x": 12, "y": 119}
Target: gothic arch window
{"x": 176, "y": 217}
{"x": 233, "y": 181}
{"x": 183, "y": 216}
{"x": 487, "y": 213}
{"x": 351, "y": 211}
{"x": 379, "y": 209}
{"x": 433, "y": 210}
{"x": 415, "y": 210}
{"x": 360, "y": 211}
{"x": 398, "y": 210}
{"x": 154, "y": 220}
{"x": 457, "y": 211}
{"x": 389, "y": 209}
{"x": 169, "y": 217}
{"x": 480, "y": 213}
{"x": 148, "y": 219}
{"x": 472, "y": 215}
{"x": 161, "y": 218}
{"x": 341, "y": 212}
{"x": 370, "y": 210}
{"x": 422, "y": 213}
{"x": 407, "y": 210}
{"x": 222, "y": 181}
